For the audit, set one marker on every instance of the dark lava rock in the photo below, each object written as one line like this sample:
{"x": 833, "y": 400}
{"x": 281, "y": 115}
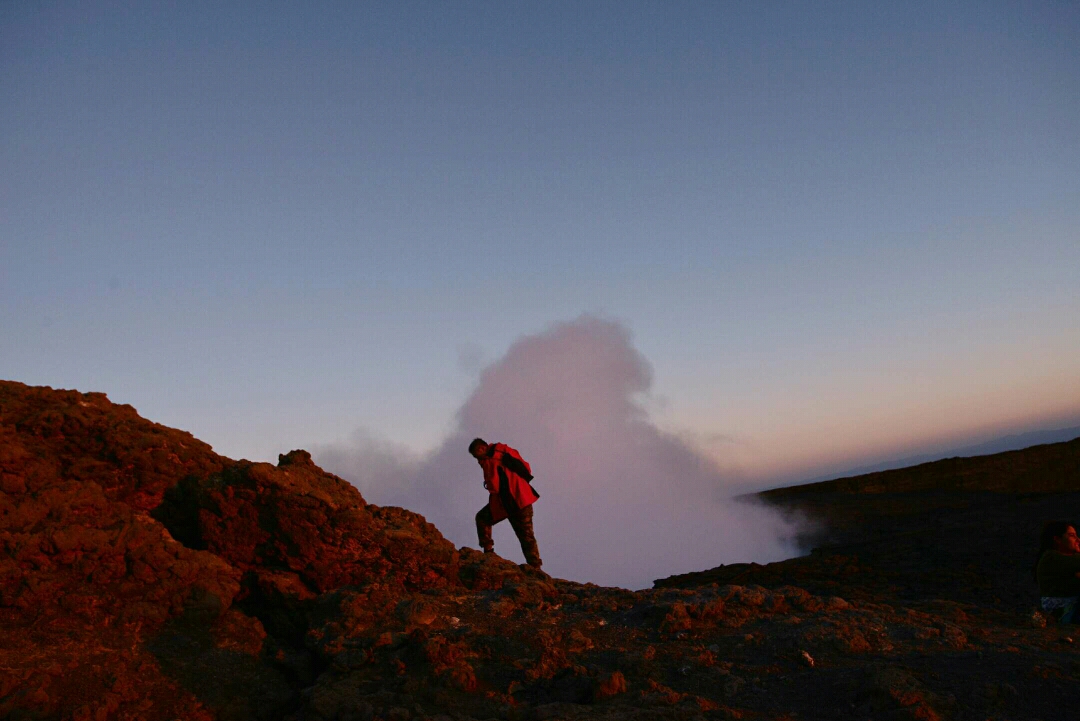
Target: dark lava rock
{"x": 138, "y": 565}
{"x": 145, "y": 577}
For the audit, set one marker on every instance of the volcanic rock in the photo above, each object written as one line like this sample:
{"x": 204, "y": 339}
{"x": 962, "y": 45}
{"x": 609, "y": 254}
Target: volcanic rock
{"x": 144, "y": 576}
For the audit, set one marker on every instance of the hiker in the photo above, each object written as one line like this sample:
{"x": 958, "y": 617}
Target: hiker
{"x": 506, "y": 477}
{"x": 1058, "y": 571}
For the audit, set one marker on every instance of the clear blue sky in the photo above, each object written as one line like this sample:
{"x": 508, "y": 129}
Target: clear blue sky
{"x": 836, "y": 231}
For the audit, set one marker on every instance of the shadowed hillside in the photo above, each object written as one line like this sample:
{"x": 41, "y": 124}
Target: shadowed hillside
{"x": 145, "y": 577}
{"x": 962, "y": 528}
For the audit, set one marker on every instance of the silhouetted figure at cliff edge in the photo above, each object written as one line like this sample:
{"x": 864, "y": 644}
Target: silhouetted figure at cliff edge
{"x": 506, "y": 477}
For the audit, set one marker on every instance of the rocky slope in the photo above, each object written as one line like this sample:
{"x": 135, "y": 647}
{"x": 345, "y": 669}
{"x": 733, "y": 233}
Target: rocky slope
{"x": 144, "y": 576}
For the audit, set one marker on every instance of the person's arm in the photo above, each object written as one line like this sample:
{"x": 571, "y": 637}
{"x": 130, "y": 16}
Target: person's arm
{"x": 490, "y": 476}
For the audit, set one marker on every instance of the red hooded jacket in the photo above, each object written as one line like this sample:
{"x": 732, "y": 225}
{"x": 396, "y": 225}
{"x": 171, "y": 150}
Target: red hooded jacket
{"x": 517, "y": 491}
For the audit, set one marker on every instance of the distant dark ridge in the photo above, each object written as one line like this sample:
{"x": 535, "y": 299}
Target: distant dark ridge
{"x": 961, "y": 529}
{"x": 1050, "y": 468}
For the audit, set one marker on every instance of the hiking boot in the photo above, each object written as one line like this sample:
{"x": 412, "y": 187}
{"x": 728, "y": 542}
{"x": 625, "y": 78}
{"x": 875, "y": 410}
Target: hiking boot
{"x": 531, "y": 570}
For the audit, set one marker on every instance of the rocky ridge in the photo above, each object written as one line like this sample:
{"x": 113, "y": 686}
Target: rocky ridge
{"x": 144, "y": 576}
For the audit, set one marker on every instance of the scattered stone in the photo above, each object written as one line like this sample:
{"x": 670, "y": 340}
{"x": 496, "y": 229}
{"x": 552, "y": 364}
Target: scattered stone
{"x": 613, "y": 685}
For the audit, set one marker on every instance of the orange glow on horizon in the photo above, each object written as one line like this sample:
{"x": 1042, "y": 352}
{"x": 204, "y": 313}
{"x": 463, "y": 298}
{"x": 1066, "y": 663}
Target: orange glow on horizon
{"x": 802, "y": 446}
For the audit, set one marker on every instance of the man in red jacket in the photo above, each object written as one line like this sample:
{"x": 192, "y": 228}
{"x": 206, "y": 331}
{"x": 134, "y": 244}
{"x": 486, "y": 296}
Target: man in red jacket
{"x": 506, "y": 477}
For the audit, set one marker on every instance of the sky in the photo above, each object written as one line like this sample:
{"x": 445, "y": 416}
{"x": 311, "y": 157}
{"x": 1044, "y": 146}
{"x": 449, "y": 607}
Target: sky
{"x": 835, "y": 234}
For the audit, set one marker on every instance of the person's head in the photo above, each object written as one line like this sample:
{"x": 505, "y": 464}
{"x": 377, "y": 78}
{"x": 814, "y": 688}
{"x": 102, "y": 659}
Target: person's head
{"x": 1059, "y": 536}
{"x": 478, "y": 448}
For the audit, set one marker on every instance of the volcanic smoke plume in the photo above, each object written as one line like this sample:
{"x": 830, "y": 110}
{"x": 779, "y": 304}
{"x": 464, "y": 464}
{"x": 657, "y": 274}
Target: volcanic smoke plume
{"x": 621, "y": 502}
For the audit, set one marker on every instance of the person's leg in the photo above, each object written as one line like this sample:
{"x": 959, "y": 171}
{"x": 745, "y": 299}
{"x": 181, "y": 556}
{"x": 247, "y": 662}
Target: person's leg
{"x": 522, "y": 521}
{"x": 484, "y": 522}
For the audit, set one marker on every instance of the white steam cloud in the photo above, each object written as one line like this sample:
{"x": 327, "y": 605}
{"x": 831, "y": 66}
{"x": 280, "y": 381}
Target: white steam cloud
{"x": 621, "y": 502}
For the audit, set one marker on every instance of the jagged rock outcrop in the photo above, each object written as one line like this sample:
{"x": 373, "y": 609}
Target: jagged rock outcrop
{"x": 86, "y": 575}
{"x": 296, "y": 521}
{"x": 138, "y": 566}
{"x": 145, "y": 577}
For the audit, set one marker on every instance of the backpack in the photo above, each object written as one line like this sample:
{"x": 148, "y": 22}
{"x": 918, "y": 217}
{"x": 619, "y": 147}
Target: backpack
{"x": 513, "y": 461}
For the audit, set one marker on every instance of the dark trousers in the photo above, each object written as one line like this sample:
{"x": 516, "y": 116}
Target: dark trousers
{"x": 522, "y": 522}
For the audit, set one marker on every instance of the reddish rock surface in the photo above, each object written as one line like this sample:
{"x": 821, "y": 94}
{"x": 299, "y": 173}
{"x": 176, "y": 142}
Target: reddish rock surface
{"x": 143, "y": 576}
{"x": 139, "y": 567}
